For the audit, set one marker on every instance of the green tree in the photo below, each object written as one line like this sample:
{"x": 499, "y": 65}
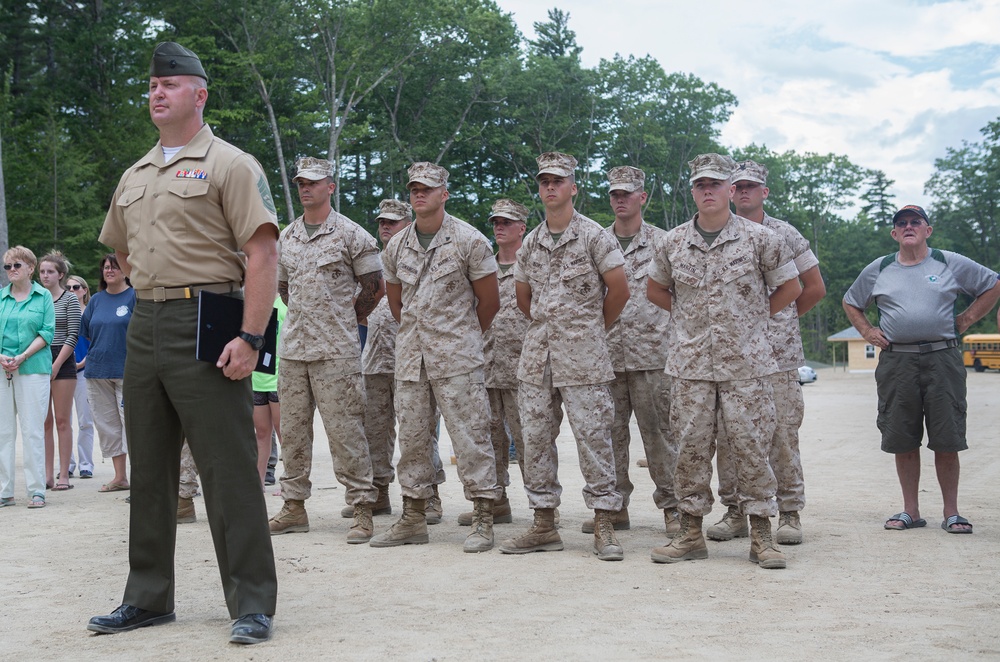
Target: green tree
{"x": 965, "y": 188}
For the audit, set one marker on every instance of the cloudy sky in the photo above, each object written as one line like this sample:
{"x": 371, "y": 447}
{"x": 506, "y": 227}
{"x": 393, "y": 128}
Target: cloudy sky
{"x": 888, "y": 83}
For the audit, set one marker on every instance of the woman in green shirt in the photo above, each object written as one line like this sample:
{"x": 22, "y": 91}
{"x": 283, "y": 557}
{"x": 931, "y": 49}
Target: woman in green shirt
{"x": 27, "y": 323}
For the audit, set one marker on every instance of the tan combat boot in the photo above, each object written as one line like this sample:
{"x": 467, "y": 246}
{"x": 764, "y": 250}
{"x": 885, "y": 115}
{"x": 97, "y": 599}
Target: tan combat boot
{"x": 732, "y": 525}
{"x": 501, "y": 512}
{"x": 687, "y": 545}
{"x": 382, "y": 505}
{"x": 362, "y": 528}
{"x": 435, "y": 511}
{"x": 789, "y": 529}
{"x": 605, "y": 543}
{"x": 291, "y": 518}
{"x": 185, "y": 511}
{"x": 620, "y": 521}
{"x": 672, "y": 521}
{"x": 763, "y": 551}
{"x": 480, "y": 539}
{"x": 410, "y": 529}
{"x": 541, "y": 537}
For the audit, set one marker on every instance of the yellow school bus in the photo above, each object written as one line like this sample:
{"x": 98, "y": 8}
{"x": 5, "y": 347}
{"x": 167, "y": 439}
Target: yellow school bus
{"x": 981, "y": 351}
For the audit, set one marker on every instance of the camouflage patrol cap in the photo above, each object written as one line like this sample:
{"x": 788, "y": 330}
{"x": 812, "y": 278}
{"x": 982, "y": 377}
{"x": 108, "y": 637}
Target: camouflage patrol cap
{"x": 394, "y": 210}
{"x": 750, "y": 171}
{"x": 172, "y": 59}
{"x": 555, "y": 163}
{"x": 626, "y": 178}
{"x": 427, "y": 173}
{"x": 713, "y": 166}
{"x": 504, "y": 208}
{"x": 313, "y": 169}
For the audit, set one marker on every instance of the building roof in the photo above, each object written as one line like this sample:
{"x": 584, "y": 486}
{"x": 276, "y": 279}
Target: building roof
{"x": 850, "y": 333}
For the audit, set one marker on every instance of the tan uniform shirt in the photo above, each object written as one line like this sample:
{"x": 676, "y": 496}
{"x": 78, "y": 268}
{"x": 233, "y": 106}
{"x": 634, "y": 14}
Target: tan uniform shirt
{"x": 502, "y": 341}
{"x": 438, "y": 323}
{"x": 783, "y": 327}
{"x": 322, "y": 273}
{"x": 638, "y": 341}
{"x": 379, "y": 354}
{"x": 183, "y": 222}
{"x": 720, "y": 306}
{"x": 567, "y": 303}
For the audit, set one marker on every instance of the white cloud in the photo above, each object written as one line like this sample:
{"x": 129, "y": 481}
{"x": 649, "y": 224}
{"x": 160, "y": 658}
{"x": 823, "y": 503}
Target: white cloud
{"x": 871, "y": 80}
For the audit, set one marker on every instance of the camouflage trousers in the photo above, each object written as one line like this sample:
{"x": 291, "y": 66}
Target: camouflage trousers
{"x": 591, "y": 414}
{"x": 505, "y": 424}
{"x": 463, "y": 403}
{"x": 646, "y": 393}
{"x": 783, "y": 455}
{"x": 304, "y": 387}
{"x": 188, "y": 487}
{"x": 380, "y": 429}
{"x": 746, "y": 409}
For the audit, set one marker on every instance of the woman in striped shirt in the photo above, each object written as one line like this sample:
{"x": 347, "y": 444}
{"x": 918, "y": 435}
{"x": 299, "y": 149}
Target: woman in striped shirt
{"x": 52, "y": 271}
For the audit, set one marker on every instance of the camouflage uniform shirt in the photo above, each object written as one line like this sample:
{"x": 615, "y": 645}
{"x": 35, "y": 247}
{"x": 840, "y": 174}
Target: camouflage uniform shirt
{"x": 719, "y": 313}
{"x": 567, "y": 303}
{"x": 438, "y": 323}
{"x": 638, "y": 341}
{"x": 783, "y": 327}
{"x": 379, "y": 354}
{"x": 321, "y": 272}
{"x": 502, "y": 341}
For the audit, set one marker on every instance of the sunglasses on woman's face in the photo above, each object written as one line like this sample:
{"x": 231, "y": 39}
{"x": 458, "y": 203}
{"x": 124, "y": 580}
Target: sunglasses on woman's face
{"x": 16, "y": 265}
{"x": 77, "y": 287}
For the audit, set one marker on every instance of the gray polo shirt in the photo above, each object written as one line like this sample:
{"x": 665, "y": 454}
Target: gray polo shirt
{"x": 917, "y": 303}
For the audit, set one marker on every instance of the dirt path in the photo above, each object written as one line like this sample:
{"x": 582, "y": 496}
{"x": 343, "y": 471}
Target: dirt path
{"x": 852, "y": 590}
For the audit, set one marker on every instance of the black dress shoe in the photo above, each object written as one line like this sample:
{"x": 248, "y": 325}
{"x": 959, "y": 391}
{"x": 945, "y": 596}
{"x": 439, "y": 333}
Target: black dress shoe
{"x": 252, "y": 629}
{"x": 127, "y": 618}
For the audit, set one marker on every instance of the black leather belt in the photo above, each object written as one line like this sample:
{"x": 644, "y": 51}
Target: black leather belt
{"x": 159, "y": 294}
{"x": 923, "y": 347}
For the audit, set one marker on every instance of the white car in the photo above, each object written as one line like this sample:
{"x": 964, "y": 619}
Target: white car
{"x": 806, "y": 375}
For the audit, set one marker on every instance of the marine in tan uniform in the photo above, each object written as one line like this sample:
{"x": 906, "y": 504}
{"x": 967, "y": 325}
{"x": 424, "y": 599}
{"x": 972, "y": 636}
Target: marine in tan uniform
{"x": 442, "y": 288}
{"x": 378, "y": 365}
{"x": 637, "y": 344}
{"x": 323, "y": 257}
{"x": 571, "y": 284}
{"x": 750, "y": 179}
{"x": 502, "y": 350}
{"x": 194, "y": 214}
{"x": 721, "y": 276}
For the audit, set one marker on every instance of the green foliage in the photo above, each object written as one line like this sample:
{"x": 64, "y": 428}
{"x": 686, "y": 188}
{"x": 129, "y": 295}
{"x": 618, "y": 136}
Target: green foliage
{"x": 376, "y": 85}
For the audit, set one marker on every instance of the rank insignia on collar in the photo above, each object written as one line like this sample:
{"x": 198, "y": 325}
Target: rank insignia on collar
{"x": 186, "y": 173}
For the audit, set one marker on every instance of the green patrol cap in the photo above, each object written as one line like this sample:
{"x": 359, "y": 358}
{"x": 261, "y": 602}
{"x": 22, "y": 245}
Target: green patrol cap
{"x": 172, "y": 59}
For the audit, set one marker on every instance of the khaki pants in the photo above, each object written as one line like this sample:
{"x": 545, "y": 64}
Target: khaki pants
{"x": 783, "y": 453}
{"x": 304, "y": 387}
{"x": 590, "y": 414}
{"x": 463, "y": 403}
{"x": 647, "y": 394}
{"x": 746, "y": 409}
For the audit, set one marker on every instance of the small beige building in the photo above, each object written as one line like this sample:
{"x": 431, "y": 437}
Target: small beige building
{"x": 861, "y": 356}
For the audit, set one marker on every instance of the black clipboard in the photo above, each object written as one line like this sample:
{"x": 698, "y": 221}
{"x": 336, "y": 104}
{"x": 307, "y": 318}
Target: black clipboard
{"x": 219, "y": 320}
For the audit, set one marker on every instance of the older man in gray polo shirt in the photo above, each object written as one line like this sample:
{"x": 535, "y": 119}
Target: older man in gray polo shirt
{"x": 920, "y": 375}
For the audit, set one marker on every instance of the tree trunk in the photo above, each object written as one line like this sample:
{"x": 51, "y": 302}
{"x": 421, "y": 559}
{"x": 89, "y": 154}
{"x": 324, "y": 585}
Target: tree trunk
{"x": 4, "y": 237}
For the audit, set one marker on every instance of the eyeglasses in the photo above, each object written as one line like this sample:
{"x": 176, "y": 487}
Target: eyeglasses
{"x": 110, "y": 267}
{"x": 16, "y": 265}
{"x": 77, "y": 287}
{"x": 913, "y": 222}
